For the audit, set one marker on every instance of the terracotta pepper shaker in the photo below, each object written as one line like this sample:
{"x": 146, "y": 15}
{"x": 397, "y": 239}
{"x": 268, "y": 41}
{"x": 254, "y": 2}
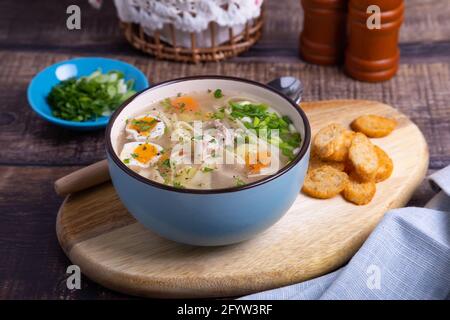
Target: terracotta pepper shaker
{"x": 322, "y": 40}
{"x": 372, "y": 53}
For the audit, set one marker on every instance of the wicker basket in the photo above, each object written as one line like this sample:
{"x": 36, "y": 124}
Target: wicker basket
{"x": 236, "y": 44}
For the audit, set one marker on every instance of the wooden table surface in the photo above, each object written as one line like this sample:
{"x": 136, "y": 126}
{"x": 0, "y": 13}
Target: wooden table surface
{"x": 33, "y": 153}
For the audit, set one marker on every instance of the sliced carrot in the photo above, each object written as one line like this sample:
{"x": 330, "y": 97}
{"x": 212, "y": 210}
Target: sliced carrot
{"x": 185, "y": 103}
{"x": 262, "y": 161}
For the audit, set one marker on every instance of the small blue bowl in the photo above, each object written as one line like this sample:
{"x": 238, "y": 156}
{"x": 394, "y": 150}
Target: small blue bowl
{"x": 41, "y": 85}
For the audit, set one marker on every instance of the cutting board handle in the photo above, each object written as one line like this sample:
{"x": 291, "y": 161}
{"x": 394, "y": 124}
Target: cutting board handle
{"x": 82, "y": 179}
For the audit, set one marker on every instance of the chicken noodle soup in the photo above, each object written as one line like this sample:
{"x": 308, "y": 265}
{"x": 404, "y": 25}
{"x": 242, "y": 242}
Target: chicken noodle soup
{"x": 208, "y": 140}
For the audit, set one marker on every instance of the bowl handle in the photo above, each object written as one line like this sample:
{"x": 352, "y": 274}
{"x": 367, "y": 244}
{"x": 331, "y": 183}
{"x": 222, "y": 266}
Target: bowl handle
{"x": 82, "y": 179}
{"x": 291, "y": 87}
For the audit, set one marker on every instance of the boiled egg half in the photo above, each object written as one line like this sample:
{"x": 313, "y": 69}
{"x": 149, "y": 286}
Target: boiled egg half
{"x": 140, "y": 154}
{"x": 145, "y": 127}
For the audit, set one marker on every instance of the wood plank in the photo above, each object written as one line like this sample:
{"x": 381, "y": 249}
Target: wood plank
{"x": 421, "y": 91}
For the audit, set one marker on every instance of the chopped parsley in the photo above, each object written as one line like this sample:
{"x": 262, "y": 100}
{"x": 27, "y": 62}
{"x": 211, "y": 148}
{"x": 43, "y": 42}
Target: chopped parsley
{"x": 238, "y": 181}
{"x": 220, "y": 114}
{"x": 143, "y": 125}
{"x": 218, "y": 93}
{"x": 166, "y": 163}
{"x": 166, "y": 103}
{"x": 176, "y": 184}
{"x": 182, "y": 106}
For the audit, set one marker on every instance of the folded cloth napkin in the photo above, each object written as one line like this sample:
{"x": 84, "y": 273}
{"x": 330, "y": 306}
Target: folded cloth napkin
{"x": 407, "y": 256}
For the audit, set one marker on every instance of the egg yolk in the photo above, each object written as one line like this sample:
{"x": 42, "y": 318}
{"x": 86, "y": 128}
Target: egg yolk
{"x": 144, "y": 152}
{"x": 255, "y": 163}
{"x": 185, "y": 103}
{"x": 143, "y": 125}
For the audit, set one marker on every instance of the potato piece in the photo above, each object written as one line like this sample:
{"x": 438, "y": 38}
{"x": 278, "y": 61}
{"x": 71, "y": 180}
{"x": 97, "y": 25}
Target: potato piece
{"x": 373, "y": 126}
{"x": 341, "y": 147}
{"x": 324, "y": 182}
{"x": 328, "y": 140}
{"x": 357, "y": 191}
{"x": 385, "y": 165}
{"x": 363, "y": 157}
{"x": 315, "y": 162}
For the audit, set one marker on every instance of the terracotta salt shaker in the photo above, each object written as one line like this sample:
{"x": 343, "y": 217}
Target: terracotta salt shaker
{"x": 372, "y": 53}
{"x": 322, "y": 40}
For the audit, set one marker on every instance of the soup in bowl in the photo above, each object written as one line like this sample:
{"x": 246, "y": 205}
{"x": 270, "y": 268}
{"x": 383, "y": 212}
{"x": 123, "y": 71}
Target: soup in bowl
{"x": 208, "y": 160}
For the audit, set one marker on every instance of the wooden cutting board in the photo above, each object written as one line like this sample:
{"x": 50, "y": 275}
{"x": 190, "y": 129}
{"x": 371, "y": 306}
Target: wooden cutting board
{"x": 313, "y": 238}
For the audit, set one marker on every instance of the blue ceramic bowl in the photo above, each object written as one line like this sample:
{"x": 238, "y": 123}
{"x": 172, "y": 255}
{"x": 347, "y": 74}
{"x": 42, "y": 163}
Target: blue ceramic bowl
{"x": 208, "y": 217}
{"x": 41, "y": 85}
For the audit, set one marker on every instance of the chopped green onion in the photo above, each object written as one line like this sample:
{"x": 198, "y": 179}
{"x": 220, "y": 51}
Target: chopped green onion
{"x": 89, "y": 97}
{"x": 262, "y": 119}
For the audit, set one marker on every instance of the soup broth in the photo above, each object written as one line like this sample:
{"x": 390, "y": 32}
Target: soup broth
{"x": 208, "y": 140}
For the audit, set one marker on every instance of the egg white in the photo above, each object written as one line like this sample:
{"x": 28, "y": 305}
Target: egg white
{"x": 128, "y": 149}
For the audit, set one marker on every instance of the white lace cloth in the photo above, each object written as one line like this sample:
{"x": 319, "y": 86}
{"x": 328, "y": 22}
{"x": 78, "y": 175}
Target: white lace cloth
{"x": 189, "y": 16}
